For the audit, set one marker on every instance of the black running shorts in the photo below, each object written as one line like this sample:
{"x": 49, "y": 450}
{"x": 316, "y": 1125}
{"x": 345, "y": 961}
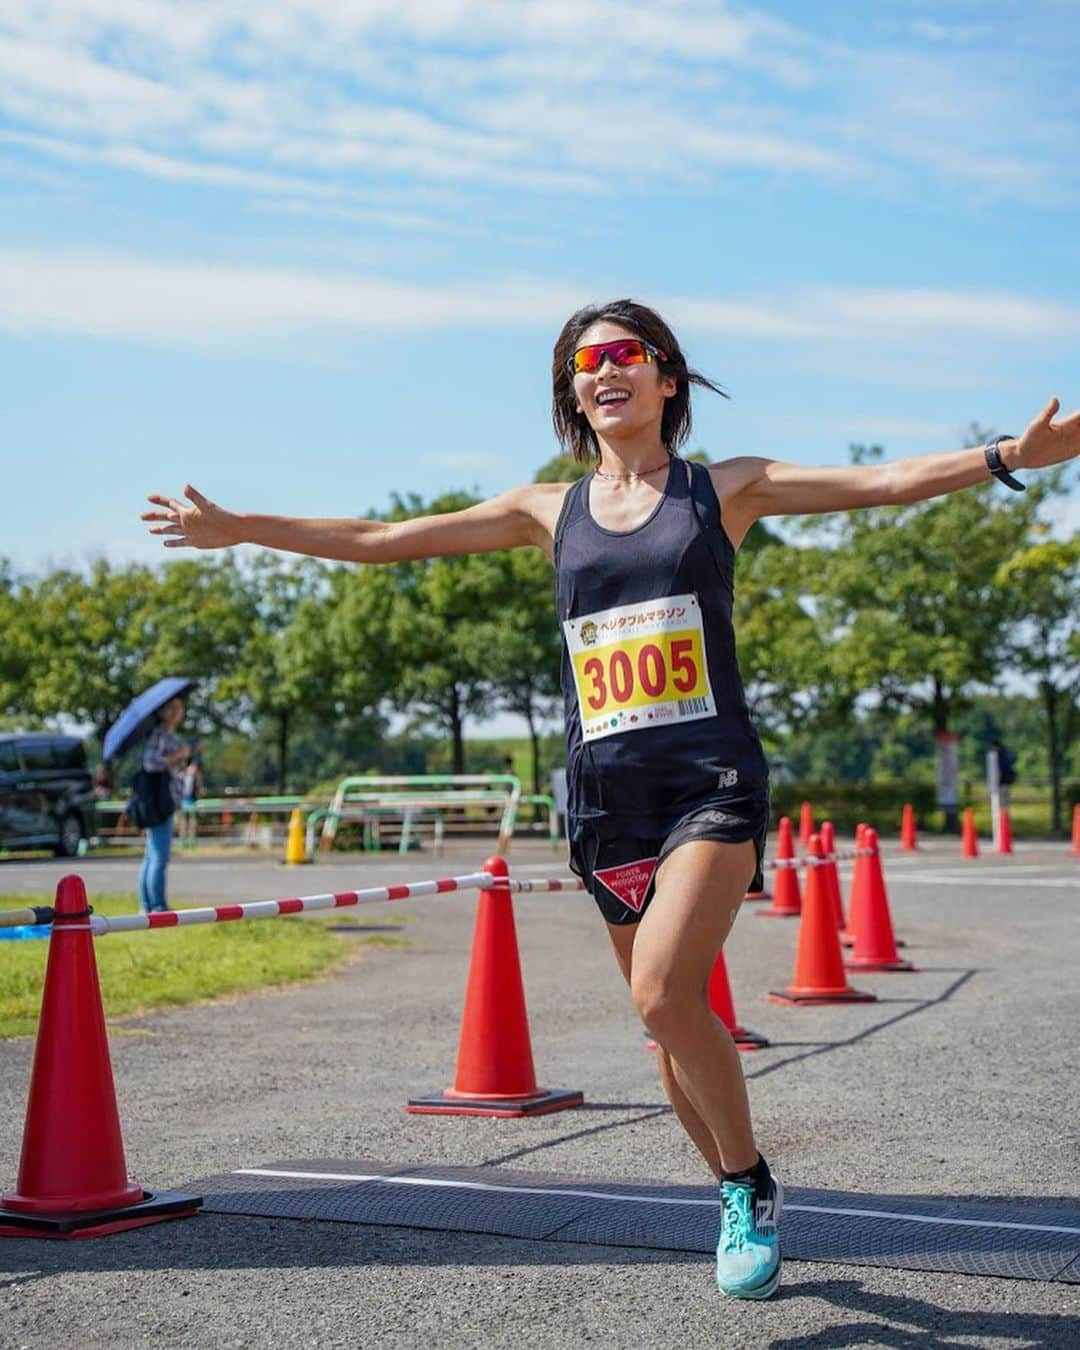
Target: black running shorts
{"x": 620, "y": 873}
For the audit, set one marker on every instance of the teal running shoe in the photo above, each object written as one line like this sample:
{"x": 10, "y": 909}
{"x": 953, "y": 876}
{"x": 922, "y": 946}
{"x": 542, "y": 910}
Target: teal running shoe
{"x": 748, "y": 1254}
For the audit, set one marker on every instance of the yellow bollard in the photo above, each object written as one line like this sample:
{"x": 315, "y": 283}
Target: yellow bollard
{"x": 295, "y": 847}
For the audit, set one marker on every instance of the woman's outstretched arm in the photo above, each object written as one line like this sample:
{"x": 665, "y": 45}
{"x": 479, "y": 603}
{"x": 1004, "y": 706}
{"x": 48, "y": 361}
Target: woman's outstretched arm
{"x": 752, "y": 488}
{"x": 511, "y": 520}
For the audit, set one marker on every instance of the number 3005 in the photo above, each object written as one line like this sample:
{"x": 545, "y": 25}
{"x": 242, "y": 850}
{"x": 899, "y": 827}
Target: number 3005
{"x": 621, "y": 676}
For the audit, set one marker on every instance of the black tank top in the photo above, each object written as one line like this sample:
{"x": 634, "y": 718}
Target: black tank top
{"x": 656, "y": 717}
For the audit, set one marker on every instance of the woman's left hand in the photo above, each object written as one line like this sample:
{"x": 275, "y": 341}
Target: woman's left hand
{"x": 1047, "y": 442}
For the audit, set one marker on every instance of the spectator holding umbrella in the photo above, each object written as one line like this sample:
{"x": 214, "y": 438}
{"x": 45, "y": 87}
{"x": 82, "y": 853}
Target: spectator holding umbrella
{"x": 162, "y": 753}
{"x": 151, "y": 721}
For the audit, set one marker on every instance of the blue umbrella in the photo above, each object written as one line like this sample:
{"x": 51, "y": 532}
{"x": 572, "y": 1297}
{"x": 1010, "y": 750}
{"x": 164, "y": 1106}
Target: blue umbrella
{"x": 135, "y": 720}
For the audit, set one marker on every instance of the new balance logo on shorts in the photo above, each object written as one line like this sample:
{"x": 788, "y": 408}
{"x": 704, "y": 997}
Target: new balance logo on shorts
{"x": 728, "y": 778}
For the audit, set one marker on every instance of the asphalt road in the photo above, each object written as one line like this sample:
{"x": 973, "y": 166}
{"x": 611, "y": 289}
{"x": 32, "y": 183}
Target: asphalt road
{"x": 960, "y": 1081}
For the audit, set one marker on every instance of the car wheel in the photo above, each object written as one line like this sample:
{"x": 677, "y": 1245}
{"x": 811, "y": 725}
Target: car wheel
{"x": 71, "y": 832}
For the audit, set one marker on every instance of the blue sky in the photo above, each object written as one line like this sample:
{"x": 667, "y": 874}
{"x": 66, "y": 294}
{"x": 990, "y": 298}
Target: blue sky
{"x": 313, "y": 253}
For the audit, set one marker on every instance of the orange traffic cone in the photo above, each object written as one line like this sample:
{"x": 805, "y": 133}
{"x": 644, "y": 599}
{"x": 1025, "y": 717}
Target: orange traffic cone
{"x": 875, "y": 945}
{"x": 495, "y": 1075}
{"x": 858, "y": 886}
{"x": 1004, "y": 843}
{"x": 806, "y": 824}
{"x": 1076, "y": 831}
{"x": 819, "y": 966}
{"x": 786, "y": 902}
{"x": 908, "y": 840}
{"x": 832, "y": 872}
{"x": 73, "y": 1180}
{"x": 723, "y": 1006}
{"x": 969, "y": 840}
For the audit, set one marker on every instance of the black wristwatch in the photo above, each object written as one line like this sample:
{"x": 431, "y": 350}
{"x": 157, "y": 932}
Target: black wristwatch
{"x": 997, "y": 468}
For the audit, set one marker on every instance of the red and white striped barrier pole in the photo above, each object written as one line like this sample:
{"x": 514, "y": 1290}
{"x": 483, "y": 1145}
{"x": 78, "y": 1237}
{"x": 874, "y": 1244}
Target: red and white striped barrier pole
{"x": 100, "y": 924}
{"x": 841, "y": 855}
{"x": 545, "y": 884}
{"x": 270, "y": 909}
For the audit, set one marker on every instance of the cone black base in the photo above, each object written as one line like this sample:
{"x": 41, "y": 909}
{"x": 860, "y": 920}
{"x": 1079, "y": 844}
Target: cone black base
{"x": 749, "y": 1040}
{"x": 155, "y": 1208}
{"x": 868, "y": 963}
{"x": 540, "y": 1104}
{"x": 821, "y": 997}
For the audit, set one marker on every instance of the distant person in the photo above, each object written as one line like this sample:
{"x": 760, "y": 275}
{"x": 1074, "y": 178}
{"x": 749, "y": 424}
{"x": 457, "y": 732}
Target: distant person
{"x": 103, "y": 783}
{"x": 162, "y": 752}
{"x": 1006, "y": 770}
{"x": 191, "y": 789}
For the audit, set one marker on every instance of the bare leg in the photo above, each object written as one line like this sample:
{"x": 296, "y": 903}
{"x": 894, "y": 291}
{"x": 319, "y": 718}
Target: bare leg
{"x": 699, "y": 889}
{"x": 622, "y": 939}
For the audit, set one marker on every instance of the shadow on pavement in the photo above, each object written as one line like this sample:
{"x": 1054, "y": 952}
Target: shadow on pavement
{"x": 827, "y": 1046}
{"x": 916, "y": 1323}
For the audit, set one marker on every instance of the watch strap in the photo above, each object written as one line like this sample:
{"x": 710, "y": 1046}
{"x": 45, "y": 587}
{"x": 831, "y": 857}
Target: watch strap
{"x": 997, "y": 467}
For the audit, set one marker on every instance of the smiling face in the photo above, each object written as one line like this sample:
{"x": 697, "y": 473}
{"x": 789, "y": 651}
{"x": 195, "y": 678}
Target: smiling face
{"x": 621, "y": 403}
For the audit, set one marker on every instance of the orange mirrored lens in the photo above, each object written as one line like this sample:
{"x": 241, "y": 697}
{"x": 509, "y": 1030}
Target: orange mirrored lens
{"x": 624, "y": 352}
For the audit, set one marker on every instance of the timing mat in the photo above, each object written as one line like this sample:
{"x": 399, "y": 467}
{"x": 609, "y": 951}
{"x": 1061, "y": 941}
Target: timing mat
{"x": 1026, "y": 1239}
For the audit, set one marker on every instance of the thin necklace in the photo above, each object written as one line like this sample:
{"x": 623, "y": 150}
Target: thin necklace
{"x": 629, "y": 477}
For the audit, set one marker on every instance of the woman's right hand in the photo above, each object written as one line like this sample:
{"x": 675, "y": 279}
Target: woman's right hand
{"x": 203, "y": 524}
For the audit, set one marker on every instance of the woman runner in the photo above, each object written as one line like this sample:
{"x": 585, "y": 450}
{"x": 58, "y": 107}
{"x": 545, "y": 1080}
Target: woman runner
{"x": 668, "y": 787}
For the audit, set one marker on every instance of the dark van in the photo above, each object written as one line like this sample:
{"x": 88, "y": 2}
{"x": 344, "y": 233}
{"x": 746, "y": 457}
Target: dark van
{"x": 46, "y": 793}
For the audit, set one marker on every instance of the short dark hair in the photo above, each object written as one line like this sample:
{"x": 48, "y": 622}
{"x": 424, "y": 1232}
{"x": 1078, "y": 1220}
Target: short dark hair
{"x": 572, "y": 427}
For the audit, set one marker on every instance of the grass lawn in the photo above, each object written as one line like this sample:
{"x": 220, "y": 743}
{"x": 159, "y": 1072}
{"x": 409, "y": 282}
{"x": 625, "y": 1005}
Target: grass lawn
{"x": 140, "y": 971}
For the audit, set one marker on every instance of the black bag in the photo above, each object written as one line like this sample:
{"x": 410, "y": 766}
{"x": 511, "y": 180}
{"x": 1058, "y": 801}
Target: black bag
{"x": 151, "y": 802}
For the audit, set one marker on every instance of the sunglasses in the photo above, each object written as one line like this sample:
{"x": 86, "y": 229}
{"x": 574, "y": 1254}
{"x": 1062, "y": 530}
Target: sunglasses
{"x": 623, "y": 352}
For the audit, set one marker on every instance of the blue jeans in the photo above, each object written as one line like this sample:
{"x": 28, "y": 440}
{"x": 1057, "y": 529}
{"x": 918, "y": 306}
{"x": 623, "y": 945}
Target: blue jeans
{"x": 154, "y": 864}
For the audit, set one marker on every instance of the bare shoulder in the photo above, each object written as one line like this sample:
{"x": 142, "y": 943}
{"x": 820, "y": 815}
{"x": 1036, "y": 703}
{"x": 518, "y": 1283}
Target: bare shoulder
{"x": 542, "y": 503}
{"x": 733, "y": 481}
{"x": 735, "y": 475}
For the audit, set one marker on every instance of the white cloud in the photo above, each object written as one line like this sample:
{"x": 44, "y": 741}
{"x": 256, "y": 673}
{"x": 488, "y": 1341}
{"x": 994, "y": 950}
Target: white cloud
{"x": 997, "y": 314}
{"x": 151, "y": 300}
{"x": 110, "y": 296}
{"x": 473, "y": 91}
{"x": 933, "y": 31}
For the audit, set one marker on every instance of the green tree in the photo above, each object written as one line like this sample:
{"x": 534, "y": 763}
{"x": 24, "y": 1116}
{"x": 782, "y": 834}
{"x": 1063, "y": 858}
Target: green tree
{"x": 910, "y": 597}
{"x": 271, "y": 677}
{"x": 1043, "y": 582}
{"x": 197, "y": 621}
{"x": 520, "y": 646}
{"x": 783, "y": 658}
{"x": 16, "y": 656}
{"x": 435, "y": 629}
{"x": 90, "y": 638}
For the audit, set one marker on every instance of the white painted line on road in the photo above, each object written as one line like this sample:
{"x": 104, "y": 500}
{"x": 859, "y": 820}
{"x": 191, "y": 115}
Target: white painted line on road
{"x": 954, "y": 879}
{"x": 486, "y": 1186}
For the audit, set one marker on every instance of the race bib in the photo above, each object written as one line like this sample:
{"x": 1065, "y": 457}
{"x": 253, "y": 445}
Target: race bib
{"x": 640, "y": 666}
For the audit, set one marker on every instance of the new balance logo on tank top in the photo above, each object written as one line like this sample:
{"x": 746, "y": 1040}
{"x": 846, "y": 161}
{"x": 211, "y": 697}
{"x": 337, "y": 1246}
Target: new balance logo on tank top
{"x": 656, "y": 717}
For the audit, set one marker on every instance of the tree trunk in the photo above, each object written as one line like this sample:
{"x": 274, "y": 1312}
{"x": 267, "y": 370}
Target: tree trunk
{"x": 534, "y": 742}
{"x": 283, "y": 750}
{"x": 1053, "y": 751}
{"x": 457, "y": 732}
